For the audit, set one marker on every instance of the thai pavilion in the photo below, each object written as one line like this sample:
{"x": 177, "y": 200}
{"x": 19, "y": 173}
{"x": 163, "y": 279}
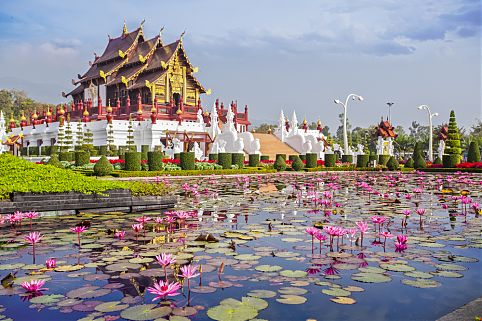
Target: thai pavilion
{"x": 140, "y": 87}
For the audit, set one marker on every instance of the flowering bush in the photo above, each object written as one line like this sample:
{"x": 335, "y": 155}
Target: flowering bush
{"x": 469, "y": 165}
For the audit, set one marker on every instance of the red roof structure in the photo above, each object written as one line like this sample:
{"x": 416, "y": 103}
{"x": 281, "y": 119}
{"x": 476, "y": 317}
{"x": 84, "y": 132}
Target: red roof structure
{"x": 385, "y": 129}
{"x": 443, "y": 134}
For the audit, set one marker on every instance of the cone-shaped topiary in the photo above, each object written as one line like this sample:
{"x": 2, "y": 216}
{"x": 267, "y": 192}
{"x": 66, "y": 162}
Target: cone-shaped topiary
{"x": 103, "y": 167}
{"x": 452, "y": 144}
{"x": 418, "y": 161}
{"x": 392, "y": 164}
{"x": 280, "y": 164}
{"x": 437, "y": 161}
{"x": 297, "y": 164}
{"x": 474, "y": 153}
{"x": 409, "y": 163}
{"x": 54, "y": 161}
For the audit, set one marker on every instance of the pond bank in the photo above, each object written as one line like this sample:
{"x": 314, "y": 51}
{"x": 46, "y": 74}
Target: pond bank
{"x": 466, "y": 312}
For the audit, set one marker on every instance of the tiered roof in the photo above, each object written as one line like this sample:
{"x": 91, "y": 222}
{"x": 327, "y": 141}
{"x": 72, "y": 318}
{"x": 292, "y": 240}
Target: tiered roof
{"x": 385, "y": 129}
{"x": 444, "y": 131}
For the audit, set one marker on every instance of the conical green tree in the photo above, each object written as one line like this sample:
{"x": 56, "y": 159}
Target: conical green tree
{"x": 474, "y": 153}
{"x": 452, "y": 144}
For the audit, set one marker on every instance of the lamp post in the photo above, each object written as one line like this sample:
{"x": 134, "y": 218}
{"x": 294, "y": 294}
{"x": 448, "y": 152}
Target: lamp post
{"x": 389, "y": 104}
{"x": 430, "y": 116}
{"x": 345, "y": 105}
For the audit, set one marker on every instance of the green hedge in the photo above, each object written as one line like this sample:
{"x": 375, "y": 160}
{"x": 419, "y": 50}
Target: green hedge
{"x": 264, "y": 157}
{"x": 177, "y": 156}
{"x": 213, "y": 157}
{"x": 144, "y": 151}
{"x": 238, "y": 159}
{"x": 33, "y": 151}
{"x": 54, "y": 161}
{"x": 347, "y": 159}
{"x": 103, "y": 150}
{"x": 66, "y": 156}
{"x": 451, "y": 170}
{"x": 257, "y": 170}
{"x": 280, "y": 163}
{"x": 187, "y": 161}
{"x": 54, "y": 150}
{"x": 82, "y": 158}
{"x": 449, "y": 161}
{"x": 132, "y": 161}
{"x": 282, "y": 155}
{"x": 392, "y": 164}
{"x": 44, "y": 150}
{"x": 362, "y": 160}
{"x": 297, "y": 164}
{"x": 311, "y": 160}
{"x": 330, "y": 160}
{"x": 372, "y": 158}
{"x": 253, "y": 160}
{"x": 103, "y": 167}
{"x": 409, "y": 163}
{"x": 473, "y": 155}
{"x": 383, "y": 159}
{"x": 225, "y": 160}
{"x": 303, "y": 157}
{"x": 154, "y": 160}
{"x": 292, "y": 157}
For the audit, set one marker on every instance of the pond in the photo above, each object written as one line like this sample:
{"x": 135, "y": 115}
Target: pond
{"x": 322, "y": 246}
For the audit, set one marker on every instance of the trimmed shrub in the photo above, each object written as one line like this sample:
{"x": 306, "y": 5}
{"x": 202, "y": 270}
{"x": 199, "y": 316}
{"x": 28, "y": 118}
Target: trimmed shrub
{"x": 418, "y": 161}
{"x": 33, "y": 151}
{"x": 103, "y": 150}
{"x": 292, "y": 157}
{"x": 253, "y": 160}
{"x": 347, "y": 159}
{"x": 238, "y": 159}
{"x": 122, "y": 156}
{"x": 177, "y": 156}
{"x": 372, "y": 158}
{"x": 54, "y": 161}
{"x": 154, "y": 160}
{"x": 297, "y": 164}
{"x": 132, "y": 161}
{"x": 213, "y": 157}
{"x": 144, "y": 150}
{"x": 409, "y": 163}
{"x": 187, "y": 160}
{"x": 54, "y": 150}
{"x": 337, "y": 157}
{"x": 392, "y": 164}
{"x": 473, "y": 155}
{"x": 82, "y": 158}
{"x": 280, "y": 163}
{"x": 225, "y": 160}
{"x": 449, "y": 161}
{"x": 362, "y": 160}
{"x": 383, "y": 159}
{"x": 303, "y": 157}
{"x": 282, "y": 155}
{"x": 452, "y": 144}
{"x": 330, "y": 160}
{"x": 264, "y": 157}
{"x": 66, "y": 156}
{"x": 23, "y": 151}
{"x": 44, "y": 150}
{"x": 438, "y": 161}
{"x": 103, "y": 167}
{"x": 311, "y": 160}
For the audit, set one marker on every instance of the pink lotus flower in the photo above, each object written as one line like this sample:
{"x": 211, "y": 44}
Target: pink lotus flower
{"x": 386, "y": 235}
{"x": 475, "y": 206}
{"x": 159, "y": 220}
{"x": 120, "y": 234}
{"x": 406, "y": 212}
{"x": 164, "y": 260}
{"x": 33, "y": 237}
{"x": 164, "y": 289}
{"x": 401, "y": 243}
{"x": 31, "y": 216}
{"x": 420, "y": 211}
{"x": 189, "y": 272}
{"x": 143, "y": 219}
{"x": 137, "y": 227}
{"x": 78, "y": 230}
{"x": 51, "y": 263}
{"x": 362, "y": 226}
{"x": 445, "y": 206}
{"x": 34, "y": 286}
{"x": 376, "y": 219}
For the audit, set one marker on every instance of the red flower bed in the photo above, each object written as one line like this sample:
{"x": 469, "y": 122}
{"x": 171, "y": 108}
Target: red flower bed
{"x": 436, "y": 166}
{"x": 469, "y": 165}
{"x": 320, "y": 162}
{"x": 171, "y": 161}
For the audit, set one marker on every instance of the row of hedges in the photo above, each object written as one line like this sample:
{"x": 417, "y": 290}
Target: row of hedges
{"x": 246, "y": 170}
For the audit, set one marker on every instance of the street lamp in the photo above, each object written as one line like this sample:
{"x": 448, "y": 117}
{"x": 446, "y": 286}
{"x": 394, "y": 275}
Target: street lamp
{"x": 345, "y": 105}
{"x": 430, "y": 116}
{"x": 389, "y": 104}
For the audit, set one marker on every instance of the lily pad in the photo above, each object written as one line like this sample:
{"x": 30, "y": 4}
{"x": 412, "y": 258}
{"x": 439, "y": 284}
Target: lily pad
{"x": 293, "y": 274}
{"x": 343, "y": 300}
{"x": 268, "y": 268}
{"x": 145, "y": 312}
{"x": 262, "y": 294}
{"x": 111, "y": 306}
{"x": 370, "y": 277}
{"x": 336, "y": 292}
{"x": 421, "y": 283}
{"x": 291, "y": 299}
{"x": 48, "y": 299}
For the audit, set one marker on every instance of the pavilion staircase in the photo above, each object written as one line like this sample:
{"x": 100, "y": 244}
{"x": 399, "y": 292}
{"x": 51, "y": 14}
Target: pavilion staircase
{"x": 272, "y": 145}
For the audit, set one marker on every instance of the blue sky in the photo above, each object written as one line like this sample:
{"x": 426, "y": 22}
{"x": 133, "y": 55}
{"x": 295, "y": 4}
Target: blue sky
{"x": 271, "y": 54}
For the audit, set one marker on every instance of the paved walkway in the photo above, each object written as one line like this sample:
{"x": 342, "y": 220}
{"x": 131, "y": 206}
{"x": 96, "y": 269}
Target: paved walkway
{"x": 467, "y": 312}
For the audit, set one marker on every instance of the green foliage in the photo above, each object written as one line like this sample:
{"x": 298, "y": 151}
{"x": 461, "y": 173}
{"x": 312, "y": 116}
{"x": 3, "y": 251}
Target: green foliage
{"x": 418, "y": 161}
{"x": 438, "y": 161}
{"x": 187, "y": 160}
{"x": 282, "y": 155}
{"x": 330, "y": 160}
{"x": 280, "y": 163}
{"x": 66, "y": 156}
{"x": 54, "y": 150}
{"x": 238, "y": 159}
{"x": 362, "y": 160}
{"x": 303, "y": 157}
{"x": 225, "y": 160}
{"x": 292, "y": 157}
{"x": 409, "y": 163}
{"x": 132, "y": 161}
{"x": 54, "y": 161}
{"x": 474, "y": 153}
{"x": 311, "y": 160}
{"x": 103, "y": 150}
{"x": 33, "y": 151}
{"x": 130, "y": 135}
{"x": 103, "y": 167}
{"x": 147, "y": 189}
{"x": 253, "y": 160}
{"x": 82, "y": 158}
{"x": 79, "y": 139}
{"x": 246, "y": 170}
{"x": 297, "y": 164}
{"x": 264, "y": 157}
{"x": 392, "y": 164}
{"x": 154, "y": 161}
{"x": 449, "y": 161}
{"x": 383, "y": 159}
{"x": 144, "y": 150}
{"x": 213, "y": 157}
{"x": 177, "y": 156}
{"x": 347, "y": 159}
{"x": 452, "y": 144}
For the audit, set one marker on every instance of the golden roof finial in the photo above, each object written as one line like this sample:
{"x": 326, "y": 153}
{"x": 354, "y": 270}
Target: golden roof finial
{"x": 11, "y": 118}
{"x": 182, "y": 35}
{"x": 319, "y": 122}
{"x": 23, "y": 116}
{"x": 160, "y": 35}
{"x": 124, "y": 30}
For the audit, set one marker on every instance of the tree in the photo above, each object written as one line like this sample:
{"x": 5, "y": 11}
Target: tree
{"x": 339, "y": 131}
{"x": 88, "y": 140}
{"x": 130, "y": 135}
{"x": 419, "y": 133}
{"x": 110, "y": 138}
{"x": 264, "y": 128}
{"x": 473, "y": 155}
{"x": 79, "y": 136}
{"x": 452, "y": 144}
{"x": 326, "y": 131}
{"x": 68, "y": 137}
{"x": 61, "y": 136}
{"x": 476, "y": 133}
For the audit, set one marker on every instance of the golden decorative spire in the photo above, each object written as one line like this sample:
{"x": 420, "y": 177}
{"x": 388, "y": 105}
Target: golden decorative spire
{"x": 11, "y": 118}
{"x": 85, "y": 113}
{"x": 319, "y": 122}
{"x": 23, "y": 116}
{"x": 124, "y": 30}
{"x": 35, "y": 116}
{"x": 48, "y": 112}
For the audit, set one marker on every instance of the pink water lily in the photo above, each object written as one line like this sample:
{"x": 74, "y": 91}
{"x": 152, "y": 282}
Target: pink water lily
{"x": 162, "y": 289}
{"x": 78, "y": 230}
{"x": 31, "y": 216}
{"x": 143, "y": 219}
{"x": 33, "y": 238}
{"x": 33, "y": 286}
{"x": 407, "y": 213}
{"x": 363, "y": 227}
{"x": 401, "y": 243}
{"x": 51, "y": 263}
{"x": 164, "y": 260}
{"x": 120, "y": 234}
{"x": 189, "y": 272}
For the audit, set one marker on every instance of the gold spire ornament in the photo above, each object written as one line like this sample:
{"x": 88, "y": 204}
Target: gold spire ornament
{"x": 124, "y": 30}
{"x": 23, "y": 116}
